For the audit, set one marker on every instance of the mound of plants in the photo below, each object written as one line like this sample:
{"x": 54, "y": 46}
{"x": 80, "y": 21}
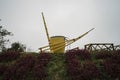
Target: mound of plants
{"x": 72, "y": 65}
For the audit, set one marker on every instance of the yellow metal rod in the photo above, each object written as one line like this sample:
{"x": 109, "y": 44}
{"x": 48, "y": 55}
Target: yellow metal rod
{"x": 46, "y": 28}
{"x": 75, "y": 39}
{"x": 53, "y": 46}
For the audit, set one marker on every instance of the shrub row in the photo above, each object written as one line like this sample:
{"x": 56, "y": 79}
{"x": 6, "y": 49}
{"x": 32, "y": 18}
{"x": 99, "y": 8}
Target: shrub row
{"x": 39, "y": 70}
{"x": 80, "y": 71}
{"x": 20, "y": 69}
{"x": 9, "y": 56}
{"x": 112, "y": 66}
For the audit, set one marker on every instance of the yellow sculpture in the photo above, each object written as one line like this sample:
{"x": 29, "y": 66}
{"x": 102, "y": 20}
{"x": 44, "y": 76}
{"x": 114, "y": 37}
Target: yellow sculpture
{"x": 57, "y": 44}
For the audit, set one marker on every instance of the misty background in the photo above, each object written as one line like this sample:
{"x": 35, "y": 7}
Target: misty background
{"x": 69, "y": 18}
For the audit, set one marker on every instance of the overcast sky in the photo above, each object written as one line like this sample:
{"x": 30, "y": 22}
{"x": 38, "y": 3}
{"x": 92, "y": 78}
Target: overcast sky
{"x": 69, "y": 18}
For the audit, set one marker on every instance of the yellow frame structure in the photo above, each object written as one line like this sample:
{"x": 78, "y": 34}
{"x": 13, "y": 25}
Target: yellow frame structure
{"x": 57, "y": 44}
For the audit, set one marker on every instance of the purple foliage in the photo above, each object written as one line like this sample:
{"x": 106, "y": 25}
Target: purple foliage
{"x": 39, "y": 70}
{"x": 112, "y": 68}
{"x": 84, "y": 54}
{"x": 20, "y": 69}
{"x": 112, "y": 65}
{"x": 3, "y": 68}
{"x": 90, "y": 71}
{"x": 9, "y": 56}
{"x": 103, "y": 55}
{"x": 86, "y": 70}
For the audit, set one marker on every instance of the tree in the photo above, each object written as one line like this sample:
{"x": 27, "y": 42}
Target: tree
{"x": 16, "y": 46}
{"x": 3, "y": 40}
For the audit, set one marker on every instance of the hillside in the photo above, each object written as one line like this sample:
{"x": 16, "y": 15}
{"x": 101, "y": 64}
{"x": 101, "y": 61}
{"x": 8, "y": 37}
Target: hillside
{"x": 72, "y": 65}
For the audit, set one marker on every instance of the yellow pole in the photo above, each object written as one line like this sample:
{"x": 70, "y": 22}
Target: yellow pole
{"x": 46, "y": 28}
{"x": 75, "y": 39}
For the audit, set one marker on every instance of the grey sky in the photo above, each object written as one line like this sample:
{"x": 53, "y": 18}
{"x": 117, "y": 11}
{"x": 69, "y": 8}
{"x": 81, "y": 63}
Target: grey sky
{"x": 69, "y": 18}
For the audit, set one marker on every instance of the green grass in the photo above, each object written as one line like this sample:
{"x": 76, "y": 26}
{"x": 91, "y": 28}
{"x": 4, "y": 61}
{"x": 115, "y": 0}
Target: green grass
{"x": 56, "y": 68}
